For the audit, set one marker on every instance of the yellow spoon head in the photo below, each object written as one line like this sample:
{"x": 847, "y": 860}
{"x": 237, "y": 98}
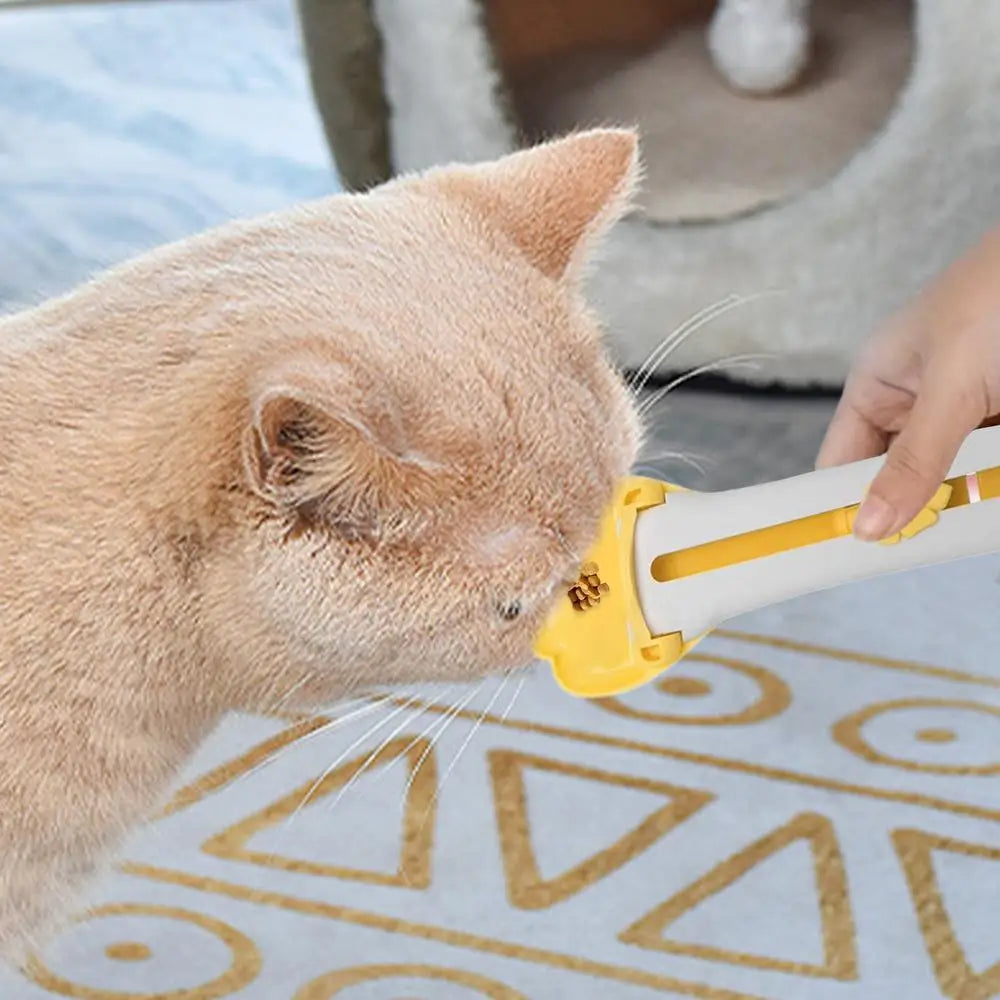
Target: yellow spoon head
{"x": 596, "y": 637}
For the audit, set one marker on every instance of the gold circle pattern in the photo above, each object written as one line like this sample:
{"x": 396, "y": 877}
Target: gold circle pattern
{"x": 847, "y": 732}
{"x": 244, "y": 970}
{"x": 129, "y": 951}
{"x": 775, "y": 697}
{"x": 334, "y": 983}
{"x": 937, "y": 735}
{"x": 684, "y": 687}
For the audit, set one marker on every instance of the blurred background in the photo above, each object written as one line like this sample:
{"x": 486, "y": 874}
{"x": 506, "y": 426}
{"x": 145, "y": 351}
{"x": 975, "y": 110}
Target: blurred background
{"x": 807, "y": 808}
{"x": 123, "y": 126}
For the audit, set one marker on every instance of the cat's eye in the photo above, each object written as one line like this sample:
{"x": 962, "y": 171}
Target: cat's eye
{"x": 510, "y": 610}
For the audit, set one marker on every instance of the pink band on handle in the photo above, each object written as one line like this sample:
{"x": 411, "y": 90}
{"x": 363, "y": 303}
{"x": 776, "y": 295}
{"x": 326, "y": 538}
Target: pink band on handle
{"x": 972, "y": 482}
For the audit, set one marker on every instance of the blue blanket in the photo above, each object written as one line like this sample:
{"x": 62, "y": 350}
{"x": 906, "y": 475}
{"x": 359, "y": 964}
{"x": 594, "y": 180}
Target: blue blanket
{"x": 126, "y": 126}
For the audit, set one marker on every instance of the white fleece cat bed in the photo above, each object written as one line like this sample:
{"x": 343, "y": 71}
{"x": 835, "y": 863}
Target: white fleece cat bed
{"x": 842, "y": 195}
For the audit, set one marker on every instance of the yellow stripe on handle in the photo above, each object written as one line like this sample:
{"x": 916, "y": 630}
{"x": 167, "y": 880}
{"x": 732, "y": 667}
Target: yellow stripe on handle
{"x": 989, "y": 483}
{"x": 756, "y": 544}
{"x": 811, "y": 530}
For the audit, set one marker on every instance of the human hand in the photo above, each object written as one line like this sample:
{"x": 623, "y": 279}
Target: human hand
{"x": 927, "y": 379}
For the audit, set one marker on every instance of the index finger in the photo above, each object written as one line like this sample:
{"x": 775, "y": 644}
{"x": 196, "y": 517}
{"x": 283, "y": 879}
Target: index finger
{"x": 851, "y": 437}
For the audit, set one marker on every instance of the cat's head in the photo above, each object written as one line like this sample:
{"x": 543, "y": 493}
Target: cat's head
{"x": 431, "y": 443}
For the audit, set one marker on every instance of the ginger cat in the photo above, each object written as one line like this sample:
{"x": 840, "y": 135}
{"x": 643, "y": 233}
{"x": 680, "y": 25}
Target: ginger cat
{"x": 356, "y": 443}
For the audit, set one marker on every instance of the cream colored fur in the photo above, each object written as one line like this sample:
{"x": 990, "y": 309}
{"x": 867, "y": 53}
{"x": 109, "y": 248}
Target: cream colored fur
{"x": 357, "y": 443}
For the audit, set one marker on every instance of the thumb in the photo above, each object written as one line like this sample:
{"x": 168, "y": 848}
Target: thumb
{"x": 919, "y": 459}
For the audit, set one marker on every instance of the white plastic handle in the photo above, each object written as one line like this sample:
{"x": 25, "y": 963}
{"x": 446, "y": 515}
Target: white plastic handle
{"x": 698, "y": 603}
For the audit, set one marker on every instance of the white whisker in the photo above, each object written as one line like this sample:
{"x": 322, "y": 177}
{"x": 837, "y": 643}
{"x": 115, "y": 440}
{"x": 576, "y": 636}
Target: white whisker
{"x": 674, "y": 340}
{"x": 737, "y": 361}
{"x": 444, "y": 720}
{"x": 327, "y": 727}
{"x": 563, "y": 543}
{"x": 357, "y": 743}
{"x": 696, "y": 462}
{"x": 437, "y": 718}
{"x": 680, "y": 456}
{"x": 408, "y": 721}
{"x": 517, "y": 693}
{"x": 463, "y": 747}
{"x": 290, "y": 693}
{"x": 676, "y": 336}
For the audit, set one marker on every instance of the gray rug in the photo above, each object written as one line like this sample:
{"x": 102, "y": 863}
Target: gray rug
{"x": 808, "y": 809}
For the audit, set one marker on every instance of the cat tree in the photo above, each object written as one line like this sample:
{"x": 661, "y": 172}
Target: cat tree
{"x": 840, "y": 195}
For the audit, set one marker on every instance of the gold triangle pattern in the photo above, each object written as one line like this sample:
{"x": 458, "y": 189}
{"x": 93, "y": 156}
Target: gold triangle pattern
{"x": 956, "y": 978}
{"x": 526, "y": 889}
{"x": 837, "y": 922}
{"x": 418, "y": 820}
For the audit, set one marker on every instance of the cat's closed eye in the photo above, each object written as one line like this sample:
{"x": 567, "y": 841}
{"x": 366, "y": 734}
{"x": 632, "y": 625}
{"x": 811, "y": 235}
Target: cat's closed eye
{"x": 509, "y": 610}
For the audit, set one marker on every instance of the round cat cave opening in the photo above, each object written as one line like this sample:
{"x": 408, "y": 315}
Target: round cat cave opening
{"x": 711, "y": 152}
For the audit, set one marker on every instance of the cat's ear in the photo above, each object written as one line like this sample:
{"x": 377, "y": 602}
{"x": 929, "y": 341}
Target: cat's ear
{"x": 554, "y": 201}
{"x": 327, "y": 452}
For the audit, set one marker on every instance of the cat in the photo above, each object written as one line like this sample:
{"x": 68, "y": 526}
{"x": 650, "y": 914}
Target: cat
{"x": 361, "y": 441}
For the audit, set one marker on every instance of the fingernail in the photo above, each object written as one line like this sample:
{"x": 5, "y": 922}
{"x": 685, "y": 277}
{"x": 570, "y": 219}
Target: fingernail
{"x": 874, "y": 520}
